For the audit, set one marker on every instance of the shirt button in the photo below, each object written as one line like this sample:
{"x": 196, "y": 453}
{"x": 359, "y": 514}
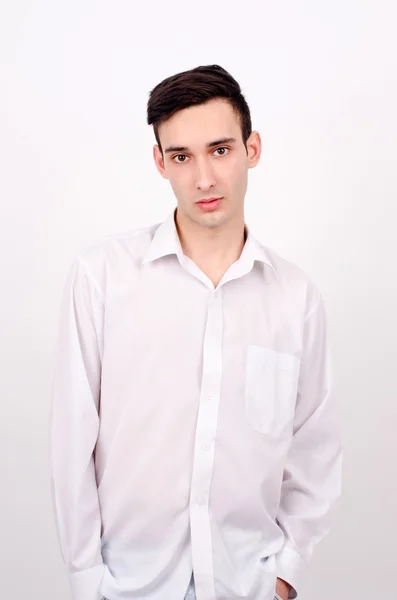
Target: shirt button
{"x": 201, "y": 501}
{"x": 205, "y": 447}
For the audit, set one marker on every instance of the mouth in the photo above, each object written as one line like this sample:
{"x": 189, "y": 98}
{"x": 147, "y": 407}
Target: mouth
{"x": 210, "y": 204}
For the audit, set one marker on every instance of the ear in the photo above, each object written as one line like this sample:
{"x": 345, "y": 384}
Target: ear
{"x": 159, "y": 161}
{"x": 254, "y": 149}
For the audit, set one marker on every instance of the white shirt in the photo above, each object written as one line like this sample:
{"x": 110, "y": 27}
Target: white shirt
{"x": 192, "y": 427}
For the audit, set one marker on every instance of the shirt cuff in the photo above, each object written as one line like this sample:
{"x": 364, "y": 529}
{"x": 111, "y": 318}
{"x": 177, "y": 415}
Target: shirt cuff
{"x": 290, "y": 568}
{"x": 86, "y": 584}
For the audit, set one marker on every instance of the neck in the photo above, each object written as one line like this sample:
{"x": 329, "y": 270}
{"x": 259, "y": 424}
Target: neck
{"x": 215, "y": 248}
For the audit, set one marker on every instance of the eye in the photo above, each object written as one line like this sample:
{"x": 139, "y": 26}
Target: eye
{"x": 226, "y": 150}
{"x": 179, "y": 156}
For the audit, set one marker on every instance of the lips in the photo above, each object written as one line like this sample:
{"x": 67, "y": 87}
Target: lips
{"x": 209, "y": 205}
{"x": 208, "y": 201}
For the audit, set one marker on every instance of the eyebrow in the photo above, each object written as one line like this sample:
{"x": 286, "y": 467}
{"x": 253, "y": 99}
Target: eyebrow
{"x": 209, "y": 145}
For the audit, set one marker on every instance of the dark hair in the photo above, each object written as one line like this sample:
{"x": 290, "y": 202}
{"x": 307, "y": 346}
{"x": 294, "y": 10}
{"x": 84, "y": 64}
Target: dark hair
{"x": 197, "y": 86}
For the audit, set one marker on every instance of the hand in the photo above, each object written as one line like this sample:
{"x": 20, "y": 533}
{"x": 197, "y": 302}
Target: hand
{"x": 282, "y": 588}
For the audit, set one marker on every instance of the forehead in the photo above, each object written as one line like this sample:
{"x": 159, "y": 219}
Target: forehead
{"x": 197, "y": 125}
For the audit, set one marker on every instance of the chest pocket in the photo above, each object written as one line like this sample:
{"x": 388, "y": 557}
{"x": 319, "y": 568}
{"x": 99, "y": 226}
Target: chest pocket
{"x": 271, "y": 384}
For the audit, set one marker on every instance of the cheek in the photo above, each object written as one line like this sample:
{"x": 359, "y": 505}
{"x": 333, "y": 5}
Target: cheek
{"x": 237, "y": 173}
{"x": 179, "y": 176}
{"x": 179, "y": 182}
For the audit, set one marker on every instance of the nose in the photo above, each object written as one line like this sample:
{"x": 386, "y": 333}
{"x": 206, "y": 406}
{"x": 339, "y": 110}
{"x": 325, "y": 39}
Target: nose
{"x": 205, "y": 177}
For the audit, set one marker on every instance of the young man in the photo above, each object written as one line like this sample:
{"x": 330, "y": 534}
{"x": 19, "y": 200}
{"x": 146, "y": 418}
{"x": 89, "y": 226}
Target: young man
{"x": 194, "y": 440}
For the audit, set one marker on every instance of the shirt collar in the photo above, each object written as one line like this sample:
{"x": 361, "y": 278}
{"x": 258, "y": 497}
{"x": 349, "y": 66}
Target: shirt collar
{"x": 166, "y": 241}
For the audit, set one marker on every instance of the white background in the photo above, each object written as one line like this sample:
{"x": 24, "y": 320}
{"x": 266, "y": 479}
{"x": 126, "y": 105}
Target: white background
{"x": 76, "y": 164}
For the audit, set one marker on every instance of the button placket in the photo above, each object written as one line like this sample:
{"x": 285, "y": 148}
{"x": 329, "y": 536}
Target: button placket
{"x": 204, "y": 448}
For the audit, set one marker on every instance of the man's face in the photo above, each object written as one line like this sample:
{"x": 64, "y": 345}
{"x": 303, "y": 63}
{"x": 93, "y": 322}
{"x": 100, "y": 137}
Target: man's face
{"x": 204, "y": 157}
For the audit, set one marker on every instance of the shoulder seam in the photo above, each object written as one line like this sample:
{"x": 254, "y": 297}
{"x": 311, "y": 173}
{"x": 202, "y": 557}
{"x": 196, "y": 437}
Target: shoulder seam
{"x": 117, "y": 236}
{"x": 112, "y": 237}
{"x": 313, "y": 309}
{"x": 92, "y": 280}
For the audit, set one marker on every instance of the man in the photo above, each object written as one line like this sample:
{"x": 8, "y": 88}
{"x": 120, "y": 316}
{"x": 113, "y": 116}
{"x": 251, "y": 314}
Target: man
{"x": 194, "y": 440}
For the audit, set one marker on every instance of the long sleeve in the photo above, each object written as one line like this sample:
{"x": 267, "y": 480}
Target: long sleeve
{"x": 312, "y": 476}
{"x": 74, "y": 426}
